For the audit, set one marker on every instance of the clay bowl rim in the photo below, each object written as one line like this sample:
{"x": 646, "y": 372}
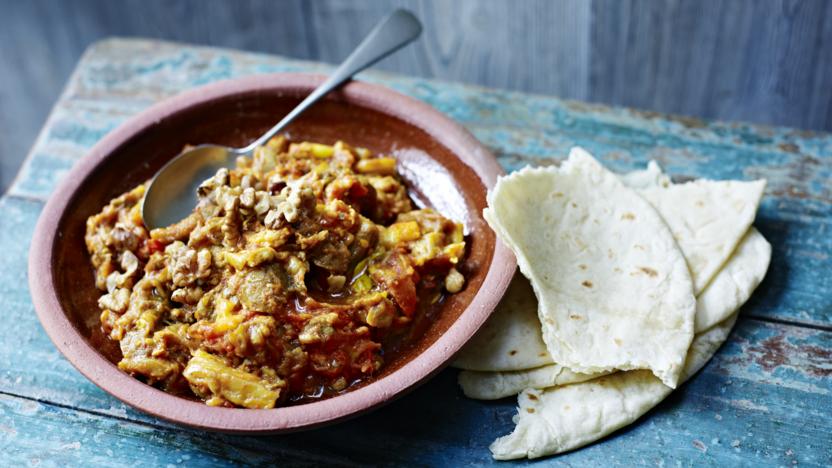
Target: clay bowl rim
{"x": 93, "y": 365}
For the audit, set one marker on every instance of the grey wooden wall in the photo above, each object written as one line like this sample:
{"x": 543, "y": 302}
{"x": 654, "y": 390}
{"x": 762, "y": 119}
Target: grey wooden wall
{"x": 766, "y": 61}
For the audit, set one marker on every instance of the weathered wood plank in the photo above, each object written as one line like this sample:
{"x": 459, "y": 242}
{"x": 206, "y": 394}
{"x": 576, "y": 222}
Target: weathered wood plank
{"x": 118, "y": 78}
{"x": 761, "y": 401}
{"x": 29, "y": 364}
{"x": 764, "y": 399}
{"x": 727, "y": 60}
{"x": 40, "y": 434}
{"x": 539, "y": 46}
{"x": 717, "y": 419}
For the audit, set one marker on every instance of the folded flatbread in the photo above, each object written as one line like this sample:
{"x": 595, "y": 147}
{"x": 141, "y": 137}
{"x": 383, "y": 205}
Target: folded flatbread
{"x": 708, "y": 218}
{"x": 613, "y": 288}
{"x": 730, "y": 288}
{"x": 726, "y": 258}
{"x": 511, "y": 338}
{"x": 568, "y": 417}
{"x": 496, "y": 385}
{"x": 507, "y": 341}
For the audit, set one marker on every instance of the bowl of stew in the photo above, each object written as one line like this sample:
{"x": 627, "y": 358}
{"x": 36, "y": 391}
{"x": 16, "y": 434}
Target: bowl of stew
{"x": 342, "y": 264}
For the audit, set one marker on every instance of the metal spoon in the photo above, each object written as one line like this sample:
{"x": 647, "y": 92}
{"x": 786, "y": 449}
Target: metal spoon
{"x": 171, "y": 195}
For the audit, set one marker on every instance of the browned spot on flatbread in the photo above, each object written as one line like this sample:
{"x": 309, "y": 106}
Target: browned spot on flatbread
{"x": 628, "y": 216}
{"x": 575, "y": 316}
{"x": 532, "y": 397}
{"x": 512, "y": 352}
{"x": 617, "y": 341}
{"x": 542, "y": 354}
{"x": 530, "y": 410}
{"x": 647, "y": 271}
{"x": 586, "y": 284}
{"x": 582, "y": 266}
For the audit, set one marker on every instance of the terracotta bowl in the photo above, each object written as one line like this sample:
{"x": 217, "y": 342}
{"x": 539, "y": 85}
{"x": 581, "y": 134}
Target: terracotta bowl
{"x": 444, "y": 166}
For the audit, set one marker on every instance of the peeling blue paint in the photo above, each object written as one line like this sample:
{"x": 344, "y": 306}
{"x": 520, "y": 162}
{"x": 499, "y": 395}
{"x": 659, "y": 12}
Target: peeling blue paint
{"x": 763, "y": 400}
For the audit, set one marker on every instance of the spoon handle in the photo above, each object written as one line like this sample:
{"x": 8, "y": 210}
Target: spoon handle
{"x": 390, "y": 34}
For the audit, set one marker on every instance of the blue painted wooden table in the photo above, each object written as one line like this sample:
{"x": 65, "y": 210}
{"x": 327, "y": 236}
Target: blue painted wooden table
{"x": 765, "y": 398}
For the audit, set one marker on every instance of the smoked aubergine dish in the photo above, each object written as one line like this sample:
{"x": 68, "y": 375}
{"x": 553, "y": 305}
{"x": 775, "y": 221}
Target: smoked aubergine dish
{"x": 299, "y": 273}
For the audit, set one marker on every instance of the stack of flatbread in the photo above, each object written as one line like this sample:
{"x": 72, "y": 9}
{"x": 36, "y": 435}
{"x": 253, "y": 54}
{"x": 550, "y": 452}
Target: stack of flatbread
{"x": 630, "y": 283}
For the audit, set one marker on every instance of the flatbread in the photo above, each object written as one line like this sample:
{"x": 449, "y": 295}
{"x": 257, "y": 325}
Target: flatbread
{"x": 729, "y": 290}
{"x": 650, "y": 177}
{"x": 708, "y": 218}
{"x": 510, "y": 339}
{"x": 568, "y": 417}
{"x": 616, "y": 292}
{"x": 496, "y": 385}
{"x": 735, "y": 282}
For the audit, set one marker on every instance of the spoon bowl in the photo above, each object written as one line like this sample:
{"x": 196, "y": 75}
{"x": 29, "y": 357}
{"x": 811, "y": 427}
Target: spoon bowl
{"x": 172, "y": 194}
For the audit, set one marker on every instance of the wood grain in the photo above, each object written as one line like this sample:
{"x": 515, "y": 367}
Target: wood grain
{"x": 740, "y": 60}
{"x": 118, "y": 78}
{"x": 499, "y": 44}
{"x": 763, "y": 400}
{"x": 725, "y": 415}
